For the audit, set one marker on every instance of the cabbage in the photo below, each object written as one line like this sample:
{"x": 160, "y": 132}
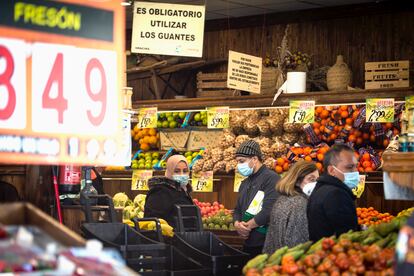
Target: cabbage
{"x": 120, "y": 199}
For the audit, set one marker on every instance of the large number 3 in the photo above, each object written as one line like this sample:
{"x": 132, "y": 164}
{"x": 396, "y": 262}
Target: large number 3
{"x": 5, "y": 79}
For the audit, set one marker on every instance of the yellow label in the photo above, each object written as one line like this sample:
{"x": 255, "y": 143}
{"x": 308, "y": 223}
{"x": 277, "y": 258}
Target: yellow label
{"x": 140, "y": 180}
{"x": 359, "y": 190}
{"x": 218, "y": 117}
{"x": 302, "y": 112}
{"x": 147, "y": 117}
{"x": 202, "y": 181}
{"x": 380, "y": 110}
{"x": 409, "y": 102}
{"x": 238, "y": 178}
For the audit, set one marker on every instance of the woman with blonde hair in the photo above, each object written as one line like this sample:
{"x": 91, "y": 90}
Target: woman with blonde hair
{"x": 288, "y": 224}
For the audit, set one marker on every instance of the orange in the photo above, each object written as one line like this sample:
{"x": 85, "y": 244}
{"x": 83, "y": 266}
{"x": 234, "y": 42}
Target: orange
{"x": 323, "y": 150}
{"x": 333, "y": 136}
{"x": 344, "y": 114}
{"x": 286, "y": 166}
{"x": 318, "y": 109}
{"x": 280, "y": 161}
{"x": 136, "y": 128}
{"x": 307, "y": 150}
{"x": 320, "y": 156}
{"x": 372, "y": 138}
{"x": 366, "y": 156}
{"x": 324, "y": 114}
{"x": 366, "y": 164}
{"x": 152, "y": 131}
{"x": 146, "y": 139}
{"x": 355, "y": 114}
{"x": 361, "y": 169}
{"x": 323, "y": 122}
{"x": 317, "y": 131}
{"x": 308, "y": 158}
{"x": 343, "y": 108}
{"x": 319, "y": 166}
{"x": 145, "y": 146}
{"x": 358, "y": 133}
{"x": 278, "y": 169}
{"x": 145, "y": 131}
{"x": 388, "y": 125}
{"x": 141, "y": 133}
{"x": 136, "y": 137}
{"x": 351, "y": 138}
{"x": 359, "y": 141}
{"x": 365, "y": 136}
{"x": 316, "y": 125}
{"x": 322, "y": 128}
{"x": 349, "y": 121}
{"x": 152, "y": 140}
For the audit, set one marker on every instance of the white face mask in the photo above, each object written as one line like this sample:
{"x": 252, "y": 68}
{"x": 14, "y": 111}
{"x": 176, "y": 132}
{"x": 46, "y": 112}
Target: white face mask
{"x": 308, "y": 188}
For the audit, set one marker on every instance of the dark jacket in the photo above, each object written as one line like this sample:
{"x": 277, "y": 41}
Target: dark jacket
{"x": 331, "y": 209}
{"x": 163, "y": 194}
{"x": 288, "y": 223}
{"x": 263, "y": 180}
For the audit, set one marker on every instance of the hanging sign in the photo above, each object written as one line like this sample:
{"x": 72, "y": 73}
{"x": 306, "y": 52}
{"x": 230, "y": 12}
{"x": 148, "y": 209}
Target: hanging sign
{"x": 218, "y": 117}
{"x": 302, "y": 112}
{"x": 147, "y": 117}
{"x": 244, "y": 72}
{"x": 140, "y": 180}
{"x": 61, "y": 73}
{"x": 359, "y": 190}
{"x": 238, "y": 178}
{"x": 380, "y": 110}
{"x": 202, "y": 181}
{"x": 168, "y": 29}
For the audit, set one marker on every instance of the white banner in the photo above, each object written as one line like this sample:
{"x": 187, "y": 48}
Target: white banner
{"x": 244, "y": 72}
{"x": 168, "y": 29}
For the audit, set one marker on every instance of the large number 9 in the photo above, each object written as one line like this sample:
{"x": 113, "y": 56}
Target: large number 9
{"x": 5, "y": 78}
{"x": 101, "y": 95}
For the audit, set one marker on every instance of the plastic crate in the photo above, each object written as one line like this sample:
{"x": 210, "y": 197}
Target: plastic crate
{"x": 188, "y": 218}
{"x": 207, "y": 249}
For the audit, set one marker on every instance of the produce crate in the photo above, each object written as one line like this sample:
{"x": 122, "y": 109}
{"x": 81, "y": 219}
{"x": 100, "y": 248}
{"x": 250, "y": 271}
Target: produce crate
{"x": 387, "y": 74}
{"x": 27, "y": 214}
{"x": 174, "y": 138}
{"x": 213, "y": 85}
{"x": 203, "y": 139}
{"x": 210, "y": 251}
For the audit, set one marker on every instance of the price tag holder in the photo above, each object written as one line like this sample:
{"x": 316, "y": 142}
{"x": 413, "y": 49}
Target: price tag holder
{"x": 359, "y": 190}
{"x": 218, "y": 117}
{"x": 140, "y": 180}
{"x": 147, "y": 117}
{"x": 380, "y": 110}
{"x": 238, "y": 178}
{"x": 202, "y": 181}
{"x": 302, "y": 112}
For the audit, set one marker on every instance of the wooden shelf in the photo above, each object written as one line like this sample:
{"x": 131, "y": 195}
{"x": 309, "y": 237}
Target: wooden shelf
{"x": 321, "y": 98}
{"x": 399, "y": 166}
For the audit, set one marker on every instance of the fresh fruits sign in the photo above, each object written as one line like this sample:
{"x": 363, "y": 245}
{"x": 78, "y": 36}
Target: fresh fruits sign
{"x": 302, "y": 112}
{"x": 147, "y": 117}
{"x": 140, "y": 180}
{"x": 61, "y": 73}
{"x": 218, "y": 117}
{"x": 380, "y": 110}
{"x": 202, "y": 181}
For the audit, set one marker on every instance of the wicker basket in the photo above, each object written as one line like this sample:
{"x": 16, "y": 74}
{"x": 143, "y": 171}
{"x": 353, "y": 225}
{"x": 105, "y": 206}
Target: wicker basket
{"x": 339, "y": 76}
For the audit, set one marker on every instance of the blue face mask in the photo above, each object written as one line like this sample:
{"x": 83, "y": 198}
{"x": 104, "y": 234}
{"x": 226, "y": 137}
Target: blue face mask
{"x": 181, "y": 178}
{"x": 351, "y": 179}
{"x": 244, "y": 169}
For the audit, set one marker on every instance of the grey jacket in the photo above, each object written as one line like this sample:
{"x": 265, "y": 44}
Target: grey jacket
{"x": 288, "y": 223}
{"x": 263, "y": 180}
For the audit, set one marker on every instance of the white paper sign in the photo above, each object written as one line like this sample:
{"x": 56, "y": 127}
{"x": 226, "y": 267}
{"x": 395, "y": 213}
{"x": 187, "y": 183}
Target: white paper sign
{"x": 168, "y": 29}
{"x": 244, "y": 72}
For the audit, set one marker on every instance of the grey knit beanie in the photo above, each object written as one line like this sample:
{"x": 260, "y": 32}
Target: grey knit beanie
{"x": 248, "y": 149}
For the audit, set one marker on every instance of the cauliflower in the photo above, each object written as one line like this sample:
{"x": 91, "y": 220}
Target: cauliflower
{"x": 120, "y": 199}
{"x": 128, "y": 212}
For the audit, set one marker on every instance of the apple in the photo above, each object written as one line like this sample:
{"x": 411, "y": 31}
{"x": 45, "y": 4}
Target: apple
{"x": 221, "y": 206}
{"x": 215, "y": 203}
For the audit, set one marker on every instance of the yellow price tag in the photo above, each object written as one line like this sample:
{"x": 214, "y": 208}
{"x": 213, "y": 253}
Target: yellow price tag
{"x": 140, "y": 180}
{"x": 202, "y": 181}
{"x": 147, "y": 117}
{"x": 409, "y": 102}
{"x": 359, "y": 190}
{"x": 302, "y": 112}
{"x": 238, "y": 178}
{"x": 218, "y": 117}
{"x": 380, "y": 110}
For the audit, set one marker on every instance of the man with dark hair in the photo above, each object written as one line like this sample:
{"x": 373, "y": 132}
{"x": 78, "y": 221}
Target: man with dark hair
{"x": 331, "y": 206}
{"x": 257, "y": 194}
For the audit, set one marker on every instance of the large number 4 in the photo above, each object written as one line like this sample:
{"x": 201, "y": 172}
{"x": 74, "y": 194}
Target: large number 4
{"x": 5, "y": 79}
{"x": 56, "y": 76}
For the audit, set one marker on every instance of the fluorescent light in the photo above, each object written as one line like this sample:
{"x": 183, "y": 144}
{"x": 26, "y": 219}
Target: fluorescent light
{"x": 125, "y": 3}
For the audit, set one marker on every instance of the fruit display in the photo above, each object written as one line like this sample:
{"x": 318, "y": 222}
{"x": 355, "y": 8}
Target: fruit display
{"x": 131, "y": 209}
{"x": 406, "y": 212}
{"x": 370, "y": 216}
{"x": 166, "y": 229}
{"x": 147, "y": 138}
{"x": 369, "y": 159}
{"x": 215, "y": 216}
{"x": 199, "y": 119}
{"x": 146, "y": 161}
{"x": 368, "y": 252}
{"x": 171, "y": 119}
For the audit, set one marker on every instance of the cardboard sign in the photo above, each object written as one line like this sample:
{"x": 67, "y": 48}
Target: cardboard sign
{"x": 147, "y": 117}
{"x": 238, "y": 178}
{"x": 62, "y": 66}
{"x": 168, "y": 29}
{"x": 244, "y": 72}
{"x": 380, "y": 110}
{"x": 202, "y": 181}
{"x": 140, "y": 180}
{"x": 359, "y": 190}
{"x": 302, "y": 112}
{"x": 218, "y": 117}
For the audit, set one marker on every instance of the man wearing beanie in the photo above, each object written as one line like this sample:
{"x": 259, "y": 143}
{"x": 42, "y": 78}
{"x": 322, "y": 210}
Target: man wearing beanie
{"x": 257, "y": 195}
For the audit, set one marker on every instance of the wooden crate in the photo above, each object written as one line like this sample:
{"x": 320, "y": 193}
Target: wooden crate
{"x": 213, "y": 85}
{"x": 387, "y": 74}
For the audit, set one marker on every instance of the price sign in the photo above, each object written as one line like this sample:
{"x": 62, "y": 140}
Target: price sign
{"x": 147, "y": 117}
{"x": 140, "y": 180}
{"x": 409, "y": 102}
{"x": 60, "y": 63}
{"x": 202, "y": 182}
{"x": 359, "y": 190}
{"x": 238, "y": 178}
{"x": 380, "y": 110}
{"x": 302, "y": 112}
{"x": 218, "y": 117}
